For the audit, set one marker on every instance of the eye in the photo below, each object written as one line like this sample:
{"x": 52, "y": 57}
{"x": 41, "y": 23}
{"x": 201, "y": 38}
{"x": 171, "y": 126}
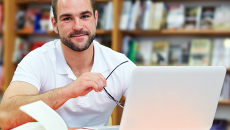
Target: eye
{"x": 84, "y": 16}
{"x": 67, "y": 19}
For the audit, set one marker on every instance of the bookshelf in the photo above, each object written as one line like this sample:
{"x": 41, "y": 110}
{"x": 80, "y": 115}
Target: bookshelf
{"x": 224, "y": 102}
{"x": 219, "y": 33}
{"x": 10, "y": 10}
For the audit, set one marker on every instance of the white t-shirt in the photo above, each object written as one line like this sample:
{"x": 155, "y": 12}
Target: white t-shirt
{"x": 46, "y": 69}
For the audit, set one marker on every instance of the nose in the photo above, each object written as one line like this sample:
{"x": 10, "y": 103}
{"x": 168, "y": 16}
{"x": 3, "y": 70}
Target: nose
{"x": 77, "y": 24}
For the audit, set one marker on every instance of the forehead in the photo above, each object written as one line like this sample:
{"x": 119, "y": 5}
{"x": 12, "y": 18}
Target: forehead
{"x": 73, "y": 6}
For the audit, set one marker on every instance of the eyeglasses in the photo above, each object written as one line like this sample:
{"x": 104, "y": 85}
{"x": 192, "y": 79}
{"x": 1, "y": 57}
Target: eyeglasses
{"x": 111, "y": 97}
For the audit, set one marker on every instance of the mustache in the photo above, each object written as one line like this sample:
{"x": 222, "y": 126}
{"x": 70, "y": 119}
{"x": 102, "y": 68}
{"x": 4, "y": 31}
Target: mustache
{"x": 75, "y": 32}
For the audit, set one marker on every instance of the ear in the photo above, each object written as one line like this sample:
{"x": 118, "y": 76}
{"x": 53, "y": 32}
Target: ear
{"x": 54, "y": 24}
{"x": 96, "y": 17}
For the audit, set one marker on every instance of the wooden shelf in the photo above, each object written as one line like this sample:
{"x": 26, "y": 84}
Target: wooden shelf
{"x": 228, "y": 69}
{"x": 103, "y": 32}
{"x": 52, "y": 33}
{"x": 45, "y": 1}
{"x": 224, "y": 102}
{"x": 178, "y": 33}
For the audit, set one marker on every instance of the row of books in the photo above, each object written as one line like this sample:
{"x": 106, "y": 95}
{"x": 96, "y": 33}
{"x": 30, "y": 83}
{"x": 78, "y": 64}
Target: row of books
{"x": 197, "y": 52}
{"x": 37, "y": 19}
{"x": 148, "y": 15}
{"x": 23, "y": 47}
{"x": 34, "y": 19}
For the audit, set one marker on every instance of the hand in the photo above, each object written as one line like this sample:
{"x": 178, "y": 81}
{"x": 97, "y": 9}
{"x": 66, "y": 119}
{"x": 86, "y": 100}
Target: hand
{"x": 86, "y": 83}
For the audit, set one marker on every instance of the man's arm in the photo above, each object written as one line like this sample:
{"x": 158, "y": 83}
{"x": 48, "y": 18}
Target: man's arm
{"x": 21, "y": 93}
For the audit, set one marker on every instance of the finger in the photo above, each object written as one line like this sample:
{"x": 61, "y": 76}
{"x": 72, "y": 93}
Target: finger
{"x": 98, "y": 80}
{"x": 93, "y": 85}
{"x": 102, "y": 78}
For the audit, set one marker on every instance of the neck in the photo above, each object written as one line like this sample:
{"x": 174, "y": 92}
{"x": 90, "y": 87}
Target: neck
{"x": 79, "y": 62}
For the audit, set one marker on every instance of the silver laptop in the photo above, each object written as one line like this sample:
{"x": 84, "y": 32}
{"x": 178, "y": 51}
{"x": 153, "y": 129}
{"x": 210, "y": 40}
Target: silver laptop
{"x": 172, "y": 98}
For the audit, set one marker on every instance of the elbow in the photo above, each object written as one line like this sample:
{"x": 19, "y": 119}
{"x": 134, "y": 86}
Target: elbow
{"x": 4, "y": 121}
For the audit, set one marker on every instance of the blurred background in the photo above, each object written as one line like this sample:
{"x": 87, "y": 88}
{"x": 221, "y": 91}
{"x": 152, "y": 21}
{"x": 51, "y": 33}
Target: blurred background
{"x": 149, "y": 33}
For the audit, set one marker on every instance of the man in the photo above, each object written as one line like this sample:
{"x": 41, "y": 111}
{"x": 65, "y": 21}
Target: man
{"x": 68, "y": 74}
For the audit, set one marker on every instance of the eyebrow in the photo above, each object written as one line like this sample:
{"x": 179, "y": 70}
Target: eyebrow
{"x": 86, "y": 12}
{"x": 64, "y": 15}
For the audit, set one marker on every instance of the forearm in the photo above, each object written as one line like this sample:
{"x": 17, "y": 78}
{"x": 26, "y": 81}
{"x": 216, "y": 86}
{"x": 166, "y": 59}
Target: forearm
{"x": 13, "y": 117}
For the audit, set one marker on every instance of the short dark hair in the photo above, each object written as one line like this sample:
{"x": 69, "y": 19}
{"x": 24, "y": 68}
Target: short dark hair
{"x": 54, "y": 7}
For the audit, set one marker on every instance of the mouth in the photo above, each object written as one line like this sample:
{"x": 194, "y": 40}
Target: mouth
{"x": 78, "y": 36}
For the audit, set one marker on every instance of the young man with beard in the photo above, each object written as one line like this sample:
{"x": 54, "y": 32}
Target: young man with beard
{"x": 68, "y": 74}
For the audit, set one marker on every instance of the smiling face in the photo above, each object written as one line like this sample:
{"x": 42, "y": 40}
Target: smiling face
{"x": 76, "y": 23}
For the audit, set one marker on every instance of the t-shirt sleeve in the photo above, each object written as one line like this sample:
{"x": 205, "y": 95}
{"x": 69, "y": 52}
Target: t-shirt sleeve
{"x": 128, "y": 68}
{"x": 31, "y": 70}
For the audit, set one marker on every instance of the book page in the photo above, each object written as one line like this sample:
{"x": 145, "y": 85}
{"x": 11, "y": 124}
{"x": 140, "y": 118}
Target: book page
{"x": 45, "y": 115}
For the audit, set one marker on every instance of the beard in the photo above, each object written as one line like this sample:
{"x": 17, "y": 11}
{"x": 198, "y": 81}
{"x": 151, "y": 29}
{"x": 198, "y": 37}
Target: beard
{"x": 75, "y": 47}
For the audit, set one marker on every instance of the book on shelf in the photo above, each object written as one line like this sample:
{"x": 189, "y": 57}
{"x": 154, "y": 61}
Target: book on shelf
{"x": 175, "y": 16}
{"x": 125, "y": 15}
{"x": 159, "y": 54}
{"x": 133, "y": 51}
{"x": 185, "y": 47}
{"x": 159, "y": 16}
{"x": 46, "y": 117}
{"x": 148, "y": 11}
{"x": 221, "y": 53}
{"x": 17, "y": 55}
{"x": 50, "y": 26}
{"x": 192, "y": 18}
{"x": 221, "y": 19}
{"x": 135, "y": 15}
{"x": 145, "y": 51}
{"x": 200, "y": 52}
{"x": 102, "y": 15}
{"x": 175, "y": 54}
{"x": 109, "y": 16}
{"x": 206, "y": 20}
{"x": 125, "y": 45}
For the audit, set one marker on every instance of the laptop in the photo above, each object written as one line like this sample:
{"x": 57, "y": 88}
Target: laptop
{"x": 171, "y": 98}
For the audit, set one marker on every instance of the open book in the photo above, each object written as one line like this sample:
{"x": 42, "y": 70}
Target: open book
{"x": 47, "y": 118}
